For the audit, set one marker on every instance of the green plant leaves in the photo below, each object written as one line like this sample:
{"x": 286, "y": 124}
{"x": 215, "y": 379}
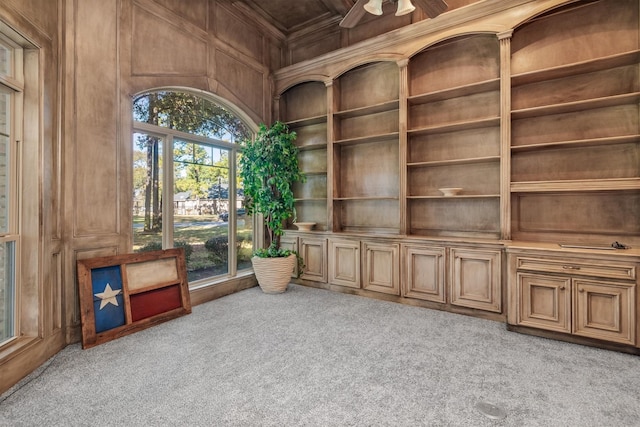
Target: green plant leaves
{"x": 269, "y": 167}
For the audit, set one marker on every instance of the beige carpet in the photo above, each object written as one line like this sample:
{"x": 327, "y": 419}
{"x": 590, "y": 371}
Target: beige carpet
{"x": 311, "y": 357}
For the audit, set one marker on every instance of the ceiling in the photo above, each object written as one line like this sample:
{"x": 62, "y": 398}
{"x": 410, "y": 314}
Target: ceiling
{"x": 290, "y": 16}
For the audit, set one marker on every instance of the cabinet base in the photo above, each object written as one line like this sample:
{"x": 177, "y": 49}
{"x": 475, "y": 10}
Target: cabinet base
{"x": 404, "y": 300}
{"x": 622, "y": 348}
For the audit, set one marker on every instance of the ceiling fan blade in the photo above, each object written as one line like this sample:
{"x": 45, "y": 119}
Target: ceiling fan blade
{"x": 354, "y": 15}
{"x": 432, "y": 8}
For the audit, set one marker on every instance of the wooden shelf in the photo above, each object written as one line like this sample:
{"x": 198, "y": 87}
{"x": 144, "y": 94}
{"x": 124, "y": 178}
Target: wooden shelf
{"x": 365, "y": 198}
{"x": 316, "y": 173}
{"x": 311, "y": 147}
{"x": 311, "y": 199}
{"x": 456, "y": 126}
{"x": 571, "y": 107}
{"x": 580, "y": 185}
{"x": 370, "y": 109}
{"x": 455, "y": 92}
{"x": 368, "y": 139}
{"x": 455, "y": 161}
{"x": 599, "y": 64}
{"x": 308, "y": 121}
{"x": 578, "y": 143}
{"x": 462, "y": 196}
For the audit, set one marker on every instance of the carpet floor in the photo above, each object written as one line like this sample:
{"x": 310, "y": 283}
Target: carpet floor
{"x": 311, "y": 357}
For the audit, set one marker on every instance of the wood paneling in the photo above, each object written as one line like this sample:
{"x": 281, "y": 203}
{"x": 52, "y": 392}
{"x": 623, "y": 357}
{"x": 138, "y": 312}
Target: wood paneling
{"x": 194, "y": 11}
{"x": 238, "y": 33}
{"x": 246, "y": 83}
{"x": 160, "y": 47}
{"x": 96, "y": 189}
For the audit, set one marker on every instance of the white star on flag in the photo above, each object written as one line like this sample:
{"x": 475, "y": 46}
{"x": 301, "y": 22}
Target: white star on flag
{"x": 108, "y": 296}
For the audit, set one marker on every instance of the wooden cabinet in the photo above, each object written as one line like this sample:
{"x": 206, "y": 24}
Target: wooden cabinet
{"x": 575, "y": 147}
{"x": 314, "y": 253}
{"x": 586, "y": 297}
{"x": 544, "y": 301}
{"x": 423, "y": 274}
{"x": 454, "y": 138}
{"x": 304, "y": 108}
{"x": 290, "y": 243}
{"x": 476, "y": 278}
{"x": 604, "y": 310}
{"x": 366, "y": 183}
{"x": 540, "y": 129}
{"x": 344, "y": 262}
{"x": 381, "y": 267}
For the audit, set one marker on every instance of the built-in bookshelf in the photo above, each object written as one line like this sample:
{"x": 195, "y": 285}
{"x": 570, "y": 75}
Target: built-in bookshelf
{"x": 575, "y": 141}
{"x": 304, "y": 108}
{"x": 453, "y": 139}
{"x": 366, "y": 149}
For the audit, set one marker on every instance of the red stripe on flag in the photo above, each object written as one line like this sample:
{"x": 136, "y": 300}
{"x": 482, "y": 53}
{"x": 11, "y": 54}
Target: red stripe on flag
{"x": 150, "y": 303}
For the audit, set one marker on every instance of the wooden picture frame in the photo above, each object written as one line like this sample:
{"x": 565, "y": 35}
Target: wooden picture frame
{"x": 123, "y": 294}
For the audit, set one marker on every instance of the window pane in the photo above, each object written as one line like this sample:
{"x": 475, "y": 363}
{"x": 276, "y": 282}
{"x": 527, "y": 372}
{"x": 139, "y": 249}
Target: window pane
{"x": 189, "y": 113}
{"x": 147, "y": 192}
{"x": 5, "y": 59}
{"x": 201, "y": 196}
{"x": 244, "y": 237}
{"x": 5, "y": 110}
{"x": 5, "y": 104}
{"x": 7, "y": 291}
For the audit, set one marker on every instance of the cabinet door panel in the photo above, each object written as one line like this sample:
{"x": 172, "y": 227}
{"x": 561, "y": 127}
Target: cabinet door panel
{"x": 314, "y": 253}
{"x": 544, "y": 302}
{"x": 381, "y": 268}
{"x": 290, "y": 243}
{"x": 344, "y": 263}
{"x": 424, "y": 273}
{"x": 475, "y": 279}
{"x": 604, "y": 310}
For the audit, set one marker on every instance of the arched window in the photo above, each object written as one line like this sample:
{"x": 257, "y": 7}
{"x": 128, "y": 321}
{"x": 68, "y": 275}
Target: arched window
{"x": 186, "y": 192}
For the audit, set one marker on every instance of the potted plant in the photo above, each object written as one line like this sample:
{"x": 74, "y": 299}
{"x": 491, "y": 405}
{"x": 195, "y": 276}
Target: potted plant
{"x": 268, "y": 168}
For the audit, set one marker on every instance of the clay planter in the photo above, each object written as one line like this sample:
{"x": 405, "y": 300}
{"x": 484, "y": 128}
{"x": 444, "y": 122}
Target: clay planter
{"x": 273, "y": 274}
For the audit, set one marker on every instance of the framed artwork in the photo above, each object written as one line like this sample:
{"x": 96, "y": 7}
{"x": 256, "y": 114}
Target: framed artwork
{"x": 123, "y": 294}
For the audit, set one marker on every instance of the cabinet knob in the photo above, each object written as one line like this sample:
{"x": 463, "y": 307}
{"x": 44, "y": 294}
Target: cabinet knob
{"x": 562, "y": 288}
{"x": 570, "y": 267}
{"x": 580, "y": 290}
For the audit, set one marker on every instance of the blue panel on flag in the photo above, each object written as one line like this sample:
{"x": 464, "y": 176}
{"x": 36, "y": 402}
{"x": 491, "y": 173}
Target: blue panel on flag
{"x": 108, "y": 304}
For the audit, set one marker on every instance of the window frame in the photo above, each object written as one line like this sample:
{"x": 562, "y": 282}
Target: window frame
{"x": 13, "y": 82}
{"x": 167, "y": 136}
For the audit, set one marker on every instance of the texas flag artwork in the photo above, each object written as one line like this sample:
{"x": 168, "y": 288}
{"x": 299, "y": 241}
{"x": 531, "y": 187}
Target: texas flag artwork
{"x": 108, "y": 302}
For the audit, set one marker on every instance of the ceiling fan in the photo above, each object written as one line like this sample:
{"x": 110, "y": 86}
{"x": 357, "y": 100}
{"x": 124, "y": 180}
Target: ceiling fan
{"x": 432, "y": 8}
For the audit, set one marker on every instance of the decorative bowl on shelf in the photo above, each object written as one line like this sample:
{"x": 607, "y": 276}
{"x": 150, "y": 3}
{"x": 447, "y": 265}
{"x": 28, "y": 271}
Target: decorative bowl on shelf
{"x": 304, "y": 226}
{"x": 450, "y": 191}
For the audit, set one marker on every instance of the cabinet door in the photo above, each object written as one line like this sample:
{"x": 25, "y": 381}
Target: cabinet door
{"x": 290, "y": 243}
{"x": 475, "y": 279}
{"x": 604, "y": 310}
{"x": 381, "y": 267}
{"x": 344, "y": 263}
{"x": 424, "y": 273}
{"x": 544, "y": 302}
{"x": 314, "y": 253}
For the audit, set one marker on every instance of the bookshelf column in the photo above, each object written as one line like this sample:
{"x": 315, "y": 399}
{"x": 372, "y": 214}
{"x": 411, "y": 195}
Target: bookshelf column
{"x": 505, "y": 134}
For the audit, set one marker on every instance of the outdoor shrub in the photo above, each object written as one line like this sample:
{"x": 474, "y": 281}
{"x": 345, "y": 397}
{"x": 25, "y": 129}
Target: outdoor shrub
{"x": 151, "y": 246}
{"x": 156, "y": 246}
{"x": 218, "y": 248}
{"x": 188, "y": 249}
